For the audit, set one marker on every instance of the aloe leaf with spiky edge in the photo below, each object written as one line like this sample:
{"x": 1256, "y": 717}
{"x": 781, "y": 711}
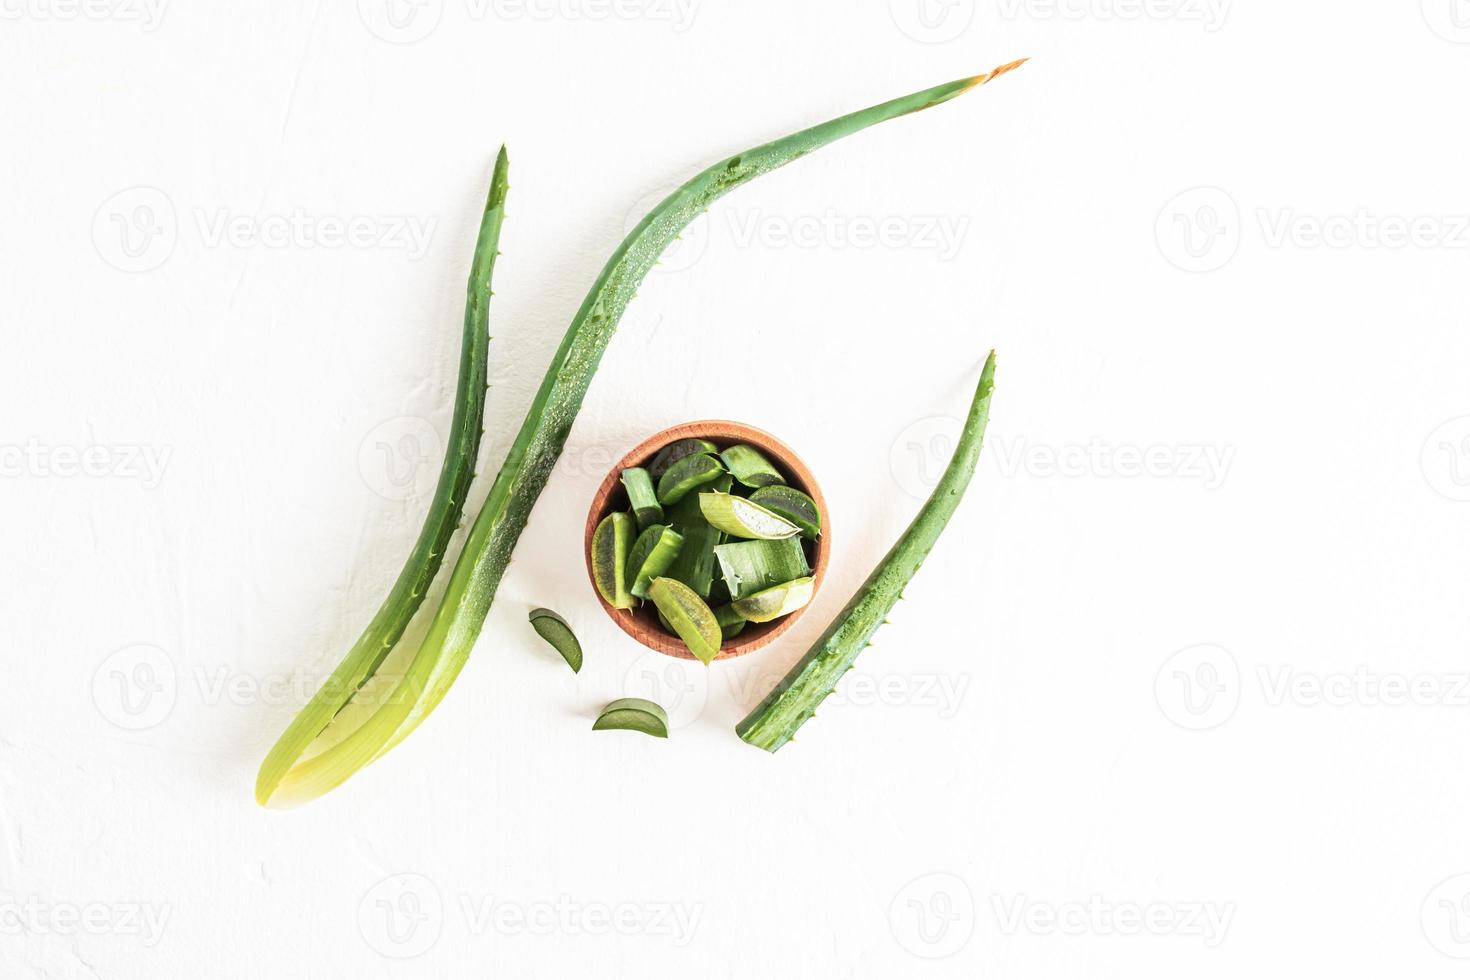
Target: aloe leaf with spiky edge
{"x": 476, "y": 576}
{"x": 466, "y": 428}
{"x": 794, "y": 700}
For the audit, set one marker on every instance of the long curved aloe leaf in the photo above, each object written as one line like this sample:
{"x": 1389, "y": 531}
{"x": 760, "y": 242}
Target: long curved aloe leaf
{"x": 794, "y": 700}
{"x": 466, "y": 428}
{"x": 528, "y": 465}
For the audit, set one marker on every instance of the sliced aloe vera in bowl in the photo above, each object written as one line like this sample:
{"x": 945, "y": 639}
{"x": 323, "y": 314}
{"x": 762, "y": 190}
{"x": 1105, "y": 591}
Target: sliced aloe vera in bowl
{"x": 792, "y": 504}
{"x": 690, "y": 617}
{"x": 652, "y": 554}
{"x": 740, "y": 518}
{"x": 611, "y": 544}
{"x": 750, "y": 466}
{"x": 731, "y": 622}
{"x": 633, "y": 715}
{"x": 556, "y": 631}
{"x": 695, "y": 564}
{"x": 677, "y": 450}
{"x": 775, "y": 602}
{"x": 747, "y": 567}
{"x": 646, "y": 509}
{"x": 687, "y": 475}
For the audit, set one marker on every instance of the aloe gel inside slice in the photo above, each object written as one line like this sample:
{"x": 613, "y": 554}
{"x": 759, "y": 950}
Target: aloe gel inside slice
{"x": 748, "y": 567}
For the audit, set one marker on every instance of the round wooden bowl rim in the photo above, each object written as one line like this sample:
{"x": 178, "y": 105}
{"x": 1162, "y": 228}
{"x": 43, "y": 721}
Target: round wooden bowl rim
{"x": 642, "y": 625}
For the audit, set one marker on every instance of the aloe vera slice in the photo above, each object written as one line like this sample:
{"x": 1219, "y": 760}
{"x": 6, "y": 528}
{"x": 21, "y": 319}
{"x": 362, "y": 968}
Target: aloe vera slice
{"x": 750, "y": 466}
{"x": 792, "y": 504}
{"x": 633, "y": 715}
{"x": 695, "y": 565}
{"x": 740, "y": 518}
{"x": 687, "y": 613}
{"x": 775, "y": 602}
{"x": 445, "y": 510}
{"x": 612, "y": 545}
{"x": 794, "y": 700}
{"x": 686, "y": 475}
{"x": 556, "y": 631}
{"x": 457, "y": 623}
{"x": 749, "y": 566}
{"x": 646, "y": 510}
{"x": 653, "y": 553}
{"x": 731, "y": 622}
{"x": 677, "y": 450}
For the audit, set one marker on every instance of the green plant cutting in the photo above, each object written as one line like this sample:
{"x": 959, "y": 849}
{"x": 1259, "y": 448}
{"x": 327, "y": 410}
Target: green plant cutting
{"x": 297, "y": 770}
{"x": 794, "y": 700}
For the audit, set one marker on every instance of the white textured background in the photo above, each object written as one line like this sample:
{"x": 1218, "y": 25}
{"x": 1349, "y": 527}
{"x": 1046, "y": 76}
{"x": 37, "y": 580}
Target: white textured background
{"x": 1182, "y": 692}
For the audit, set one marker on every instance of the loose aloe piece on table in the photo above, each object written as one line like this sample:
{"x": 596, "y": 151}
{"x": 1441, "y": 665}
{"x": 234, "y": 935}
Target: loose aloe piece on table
{"x": 677, "y": 450}
{"x": 690, "y": 617}
{"x": 695, "y": 565}
{"x": 750, "y": 466}
{"x": 776, "y": 719}
{"x": 740, "y": 518}
{"x": 687, "y": 475}
{"x": 792, "y": 504}
{"x": 528, "y": 465}
{"x": 556, "y": 631}
{"x": 749, "y": 566}
{"x": 465, "y": 430}
{"x": 612, "y": 545}
{"x": 652, "y": 554}
{"x": 775, "y": 602}
{"x": 646, "y": 509}
{"x": 731, "y": 622}
{"x": 633, "y": 715}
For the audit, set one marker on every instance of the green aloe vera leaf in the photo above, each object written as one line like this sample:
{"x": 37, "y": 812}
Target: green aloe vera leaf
{"x": 641, "y": 498}
{"x": 750, "y": 566}
{"x": 457, "y": 623}
{"x": 792, "y": 504}
{"x": 633, "y": 715}
{"x": 740, "y": 518}
{"x": 776, "y": 719}
{"x": 690, "y": 617}
{"x": 466, "y": 428}
{"x": 688, "y": 474}
{"x": 556, "y": 631}
{"x": 677, "y": 450}
{"x": 653, "y": 553}
{"x": 731, "y": 622}
{"x": 695, "y": 566}
{"x": 612, "y": 545}
{"x": 750, "y": 466}
{"x": 775, "y": 602}
{"x": 664, "y": 622}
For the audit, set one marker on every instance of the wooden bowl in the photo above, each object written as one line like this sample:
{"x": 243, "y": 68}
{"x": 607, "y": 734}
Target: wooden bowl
{"x": 642, "y": 623}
